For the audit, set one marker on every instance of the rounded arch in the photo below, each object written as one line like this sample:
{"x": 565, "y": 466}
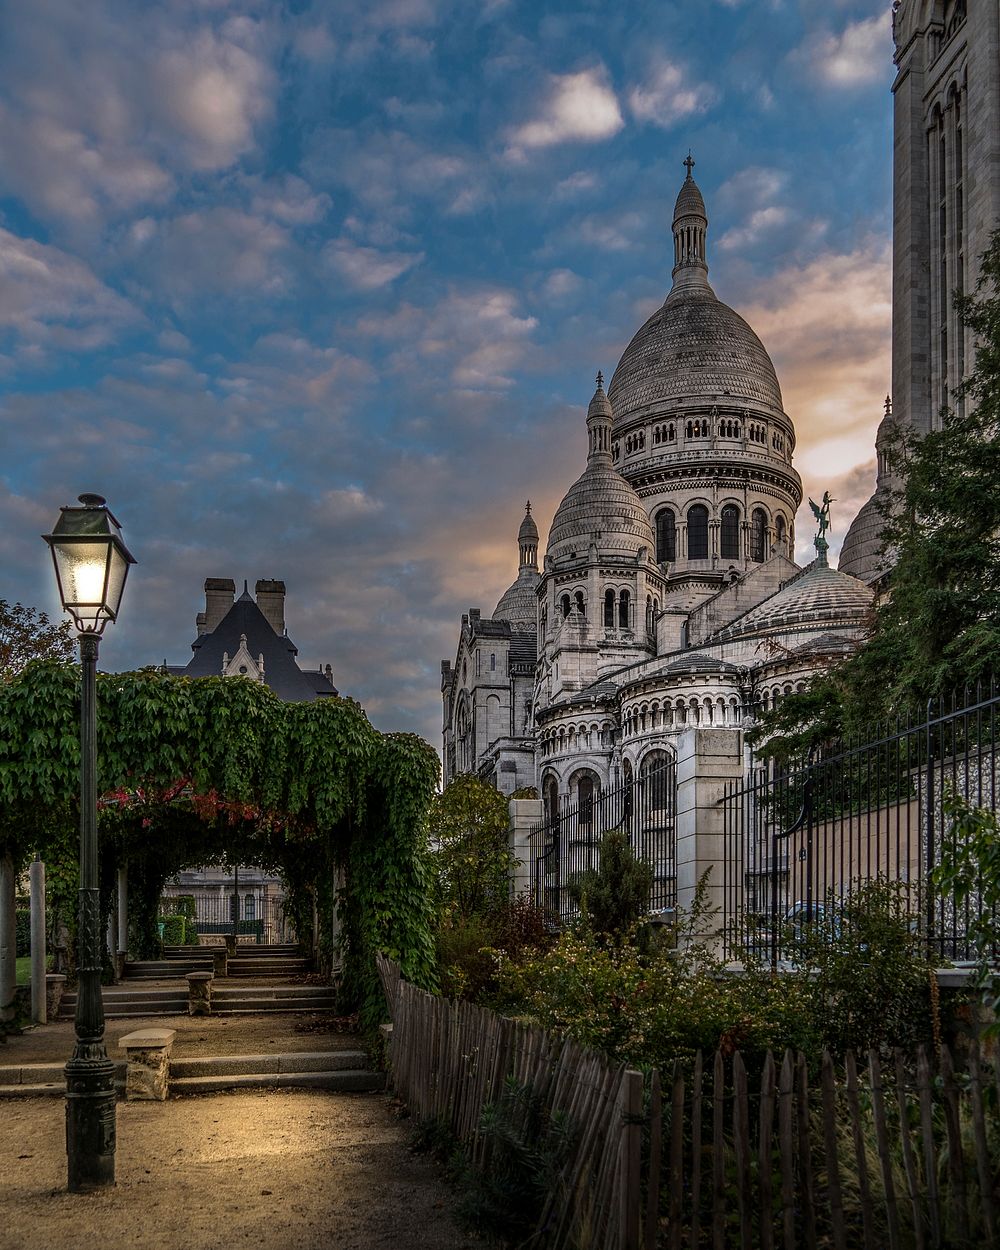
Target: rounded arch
{"x": 758, "y": 535}
{"x": 666, "y": 536}
{"x": 697, "y": 532}
{"x": 729, "y": 532}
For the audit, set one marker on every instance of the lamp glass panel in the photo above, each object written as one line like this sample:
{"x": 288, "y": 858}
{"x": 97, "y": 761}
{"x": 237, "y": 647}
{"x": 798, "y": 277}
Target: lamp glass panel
{"x": 117, "y": 572}
{"x": 82, "y": 570}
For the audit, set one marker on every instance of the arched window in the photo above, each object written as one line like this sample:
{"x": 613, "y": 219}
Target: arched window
{"x": 550, "y": 799}
{"x": 581, "y": 603}
{"x": 609, "y": 609}
{"x": 585, "y": 804}
{"x": 623, "y": 621}
{"x": 666, "y": 536}
{"x": 493, "y": 662}
{"x": 758, "y": 535}
{"x": 649, "y": 614}
{"x": 780, "y": 533}
{"x": 565, "y": 604}
{"x": 698, "y": 532}
{"x": 729, "y": 537}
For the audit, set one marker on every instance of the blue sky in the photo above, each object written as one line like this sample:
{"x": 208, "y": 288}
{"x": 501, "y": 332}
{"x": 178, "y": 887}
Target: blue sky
{"x": 318, "y": 291}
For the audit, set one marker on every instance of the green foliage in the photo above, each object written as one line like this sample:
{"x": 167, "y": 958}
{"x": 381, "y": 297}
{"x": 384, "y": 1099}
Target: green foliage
{"x": 22, "y": 932}
{"x": 939, "y": 628}
{"x": 27, "y": 635}
{"x": 219, "y": 769}
{"x": 527, "y": 1149}
{"x": 173, "y": 930}
{"x": 969, "y": 871}
{"x": 470, "y": 859}
{"x": 615, "y": 896}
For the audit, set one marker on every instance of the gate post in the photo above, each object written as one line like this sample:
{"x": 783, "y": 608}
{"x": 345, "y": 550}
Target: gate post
{"x": 524, "y": 815}
{"x": 706, "y": 760}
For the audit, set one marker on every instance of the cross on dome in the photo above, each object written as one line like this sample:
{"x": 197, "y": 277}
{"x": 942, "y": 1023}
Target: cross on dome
{"x": 689, "y": 162}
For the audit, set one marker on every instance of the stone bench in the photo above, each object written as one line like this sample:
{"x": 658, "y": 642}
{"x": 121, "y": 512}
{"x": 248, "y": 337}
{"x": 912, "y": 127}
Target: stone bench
{"x": 147, "y": 1073}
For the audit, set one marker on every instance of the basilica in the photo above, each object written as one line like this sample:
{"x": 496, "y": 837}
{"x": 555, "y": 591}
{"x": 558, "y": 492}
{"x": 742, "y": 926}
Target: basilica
{"x": 667, "y": 596}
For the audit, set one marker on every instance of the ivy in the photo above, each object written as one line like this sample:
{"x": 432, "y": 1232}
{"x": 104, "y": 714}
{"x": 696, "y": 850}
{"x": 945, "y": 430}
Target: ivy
{"x": 220, "y": 769}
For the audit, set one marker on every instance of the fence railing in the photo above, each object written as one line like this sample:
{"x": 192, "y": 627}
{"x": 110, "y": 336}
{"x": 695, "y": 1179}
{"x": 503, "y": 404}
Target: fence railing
{"x": 797, "y": 1154}
{"x": 799, "y": 842}
{"x": 568, "y": 843}
{"x": 263, "y": 922}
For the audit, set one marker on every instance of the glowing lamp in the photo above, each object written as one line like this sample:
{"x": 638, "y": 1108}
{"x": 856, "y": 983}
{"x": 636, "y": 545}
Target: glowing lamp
{"x": 91, "y": 562}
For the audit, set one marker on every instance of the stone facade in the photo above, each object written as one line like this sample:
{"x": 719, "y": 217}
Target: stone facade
{"x": 946, "y": 205}
{"x": 668, "y": 600}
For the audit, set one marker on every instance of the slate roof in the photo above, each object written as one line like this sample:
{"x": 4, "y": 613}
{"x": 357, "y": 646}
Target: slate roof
{"x": 281, "y": 673}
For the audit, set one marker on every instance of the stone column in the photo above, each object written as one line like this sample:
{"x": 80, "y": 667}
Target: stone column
{"x": 525, "y": 814}
{"x": 39, "y": 995}
{"x": 706, "y": 760}
{"x": 200, "y": 993}
{"x": 8, "y": 938}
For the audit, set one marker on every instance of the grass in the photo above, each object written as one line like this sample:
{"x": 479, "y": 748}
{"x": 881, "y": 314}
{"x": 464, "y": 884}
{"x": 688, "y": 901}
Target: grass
{"x": 22, "y": 975}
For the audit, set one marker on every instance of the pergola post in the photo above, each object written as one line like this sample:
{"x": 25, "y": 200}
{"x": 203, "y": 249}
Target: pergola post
{"x": 36, "y": 882}
{"x": 8, "y": 938}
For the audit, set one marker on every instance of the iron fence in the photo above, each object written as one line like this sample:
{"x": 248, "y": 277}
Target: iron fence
{"x": 799, "y": 843}
{"x": 254, "y": 914}
{"x": 568, "y": 842}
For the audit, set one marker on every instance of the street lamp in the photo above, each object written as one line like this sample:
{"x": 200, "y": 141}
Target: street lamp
{"x": 91, "y": 563}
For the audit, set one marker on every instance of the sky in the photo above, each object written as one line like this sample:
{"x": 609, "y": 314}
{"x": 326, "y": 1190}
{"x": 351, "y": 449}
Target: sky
{"x": 317, "y": 291}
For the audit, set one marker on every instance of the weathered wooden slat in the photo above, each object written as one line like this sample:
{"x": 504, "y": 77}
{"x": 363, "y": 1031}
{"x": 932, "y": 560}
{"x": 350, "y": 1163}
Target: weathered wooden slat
{"x": 860, "y": 1155}
{"x": 676, "y": 1157}
{"x": 983, "y": 1164}
{"x": 882, "y": 1139}
{"x": 807, "y": 1198}
{"x": 830, "y": 1145}
{"x": 786, "y": 1147}
{"x": 741, "y": 1144}
{"x": 956, "y": 1158}
{"x": 765, "y": 1137}
{"x": 696, "y": 1150}
{"x": 655, "y": 1153}
{"x": 909, "y": 1165}
{"x": 631, "y": 1160}
{"x": 718, "y": 1156}
{"x": 927, "y": 1147}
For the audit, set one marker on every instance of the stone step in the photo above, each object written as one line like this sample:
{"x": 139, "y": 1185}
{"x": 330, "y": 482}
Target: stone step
{"x": 345, "y": 1081}
{"x": 222, "y": 990}
{"x": 271, "y": 968}
{"x": 260, "y": 1006}
{"x": 291, "y": 1061}
{"x": 32, "y": 1080}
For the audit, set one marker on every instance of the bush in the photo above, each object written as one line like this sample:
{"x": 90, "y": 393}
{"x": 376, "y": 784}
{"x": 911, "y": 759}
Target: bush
{"x": 468, "y": 949}
{"x": 22, "y": 932}
{"x": 173, "y": 930}
{"x": 615, "y": 896}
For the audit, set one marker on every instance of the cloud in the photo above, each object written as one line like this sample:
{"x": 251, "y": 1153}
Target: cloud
{"x": 216, "y": 251}
{"x": 751, "y": 193}
{"x": 50, "y": 299}
{"x": 860, "y": 54}
{"x": 579, "y": 108}
{"x": 665, "y": 96}
{"x": 366, "y": 268}
{"x": 760, "y": 222}
{"x": 289, "y": 200}
{"x": 827, "y": 325}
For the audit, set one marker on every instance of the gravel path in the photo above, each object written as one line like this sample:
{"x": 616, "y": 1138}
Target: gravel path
{"x": 271, "y": 1170}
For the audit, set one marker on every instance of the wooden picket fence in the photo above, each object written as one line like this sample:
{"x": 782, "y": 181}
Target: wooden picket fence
{"x": 872, "y": 1159}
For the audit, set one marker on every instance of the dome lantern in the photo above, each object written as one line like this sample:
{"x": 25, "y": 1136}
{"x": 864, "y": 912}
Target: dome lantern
{"x": 690, "y": 228}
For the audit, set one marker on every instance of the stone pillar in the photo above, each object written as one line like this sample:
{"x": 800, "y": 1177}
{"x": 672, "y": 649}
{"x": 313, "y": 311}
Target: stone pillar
{"x": 200, "y": 993}
{"x": 336, "y": 885}
{"x": 525, "y": 814}
{"x": 706, "y": 760}
{"x": 123, "y": 910}
{"x": 8, "y": 938}
{"x": 36, "y": 882}
{"x": 220, "y": 961}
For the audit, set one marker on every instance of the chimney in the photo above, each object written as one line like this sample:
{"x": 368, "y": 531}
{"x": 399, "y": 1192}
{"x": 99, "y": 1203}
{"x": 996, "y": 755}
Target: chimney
{"x": 271, "y": 601}
{"x": 219, "y": 595}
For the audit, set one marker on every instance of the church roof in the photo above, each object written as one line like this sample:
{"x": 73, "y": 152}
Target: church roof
{"x": 602, "y": 506}
{"x": 817, "y": 595}
{"x": 281, "y": 673}
{"x": 518, "y": 603}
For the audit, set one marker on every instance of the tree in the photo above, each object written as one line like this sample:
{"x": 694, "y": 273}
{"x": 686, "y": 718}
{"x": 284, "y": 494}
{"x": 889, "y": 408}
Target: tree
{"x": 939, "y": 627}
{"x": 26, "y": 634}
{"x": 470, "y": 856}
{"x": 616, "y": 896}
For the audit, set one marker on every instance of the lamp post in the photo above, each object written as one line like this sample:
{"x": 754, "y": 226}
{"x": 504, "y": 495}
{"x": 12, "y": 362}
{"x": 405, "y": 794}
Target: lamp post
{"x": 91, "y": 563}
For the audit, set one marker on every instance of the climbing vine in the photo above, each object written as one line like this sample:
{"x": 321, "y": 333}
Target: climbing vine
{"x": 198, "y": 771}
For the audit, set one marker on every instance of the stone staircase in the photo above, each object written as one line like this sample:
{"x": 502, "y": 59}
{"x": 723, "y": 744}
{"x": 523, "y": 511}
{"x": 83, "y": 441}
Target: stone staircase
{"x": 342, "y": 1070}
{"x": 250, "y": 960}
{"x": 122, "y": 1002}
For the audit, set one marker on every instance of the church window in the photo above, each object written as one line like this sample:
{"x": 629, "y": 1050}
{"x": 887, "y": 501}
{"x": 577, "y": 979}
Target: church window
{"x": 666, "y": 536}
{"x": 585, "y": 804}
{"x": 564, "y": 603}
{"x": 671, "y": 432}
{"x": 493, "y": 662}
{"x": 649, "y": 614}
{"x": 729, "y": 538}
{"x": 550, "y": 798}
{"x": 656, "y": 435}
{"x": 581, "y": 603}
{"x": 779, "y": 527}
{"x": 479, "y": 664}
{"x": 623, "y": 606}
{"x": 609, "y": 609}
{"x": 690, "y": 430}
{"x": 758, "y": 532}
{"x": 697, "y": 522}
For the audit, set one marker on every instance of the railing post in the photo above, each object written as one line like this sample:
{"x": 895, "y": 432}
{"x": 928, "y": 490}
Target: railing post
{"x": 629, "y": 1162}
{"x": 929, "y": 821}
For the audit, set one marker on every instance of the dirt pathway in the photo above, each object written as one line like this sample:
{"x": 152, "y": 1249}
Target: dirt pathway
{"x": 274, "y": 1170}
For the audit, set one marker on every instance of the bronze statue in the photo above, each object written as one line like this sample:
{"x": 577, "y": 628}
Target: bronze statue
{"x": 822, "y": 514}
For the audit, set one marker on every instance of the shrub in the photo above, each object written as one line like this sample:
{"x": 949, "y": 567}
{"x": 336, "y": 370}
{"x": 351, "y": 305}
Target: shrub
{"x": 616, "y": 895}
{"x": 22, "y": 932}
{"x": 173, "y": 930}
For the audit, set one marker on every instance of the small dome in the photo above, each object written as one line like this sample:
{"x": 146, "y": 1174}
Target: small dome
{"x": 689, "y": 200}
{"x": 529, "y": 530}
{"x": 861, "y": 555}
{"x": 518, "y": 602}
{"x": 818, "y": 595}
{"x": 600, "y": 506}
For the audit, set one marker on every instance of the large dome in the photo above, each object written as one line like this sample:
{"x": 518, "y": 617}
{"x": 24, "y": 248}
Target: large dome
{"x": 693, "y": 347}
